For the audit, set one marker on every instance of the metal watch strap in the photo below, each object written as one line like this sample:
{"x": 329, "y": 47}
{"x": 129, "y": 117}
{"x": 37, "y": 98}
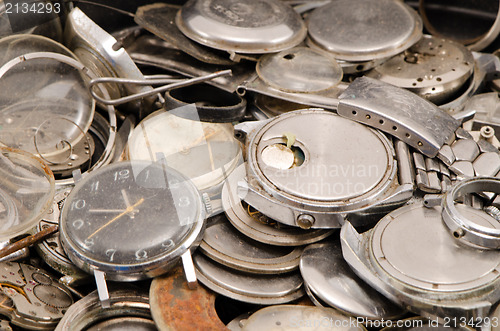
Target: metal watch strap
{"x": 463, "y": 158}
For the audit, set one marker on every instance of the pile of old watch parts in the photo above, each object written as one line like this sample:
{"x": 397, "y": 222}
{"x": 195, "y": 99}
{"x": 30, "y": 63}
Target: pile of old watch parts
{"x": 335, "y": 169}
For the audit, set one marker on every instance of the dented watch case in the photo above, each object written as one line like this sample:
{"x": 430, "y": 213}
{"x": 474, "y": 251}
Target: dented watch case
{"x": 307, "y": 178}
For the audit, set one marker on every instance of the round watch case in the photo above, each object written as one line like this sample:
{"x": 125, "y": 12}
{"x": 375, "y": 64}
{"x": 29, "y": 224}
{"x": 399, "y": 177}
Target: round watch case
{"x": 398, "y": 258}
{"x": 297, "y": 317}
{"x": 236, "y": 26}
{"x": 301, "y": 69}
{"x": 330, "y": 279}
{"x": 174, "y": 306}
{"x": 307, "y": 178}
{"x": 204, "y": 152}
{"x": 129, "y": 308}
{"x": 364, "y": 30}
{"x": 250, "y": 288}
{"x": 224, "y": 244}
{"x": 131, "y": 220}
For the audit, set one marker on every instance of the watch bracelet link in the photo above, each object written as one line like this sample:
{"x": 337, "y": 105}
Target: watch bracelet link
{"x": 462, "y": 158}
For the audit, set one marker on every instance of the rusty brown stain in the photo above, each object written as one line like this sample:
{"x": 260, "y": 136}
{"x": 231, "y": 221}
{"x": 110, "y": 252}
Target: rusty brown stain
{"x": 183, "y": 309}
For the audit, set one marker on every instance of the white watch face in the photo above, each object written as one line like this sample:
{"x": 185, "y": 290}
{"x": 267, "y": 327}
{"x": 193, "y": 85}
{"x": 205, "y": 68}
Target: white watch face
{"x": 38, "y": 95}
{"x": 204, "y": 152}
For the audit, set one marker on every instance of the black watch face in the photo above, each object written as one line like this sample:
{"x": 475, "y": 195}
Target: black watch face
{"x": 130, "y": 212}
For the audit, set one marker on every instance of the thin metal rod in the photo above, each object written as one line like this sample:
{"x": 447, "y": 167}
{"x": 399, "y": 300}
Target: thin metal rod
{"x": 122, "y": 100}
{"x": 28, "y": 241}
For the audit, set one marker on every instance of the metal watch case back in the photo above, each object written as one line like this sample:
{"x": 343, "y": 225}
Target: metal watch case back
{"x": 329, "y": 278}
{"x": 411, "y": 257}
{"x": 238, "y": 26}
{"x": 364, "y": 30}
{"x": 300, "y": 173}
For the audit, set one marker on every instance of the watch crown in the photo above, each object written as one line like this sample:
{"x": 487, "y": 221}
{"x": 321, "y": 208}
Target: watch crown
{"x": 208, "y": 203}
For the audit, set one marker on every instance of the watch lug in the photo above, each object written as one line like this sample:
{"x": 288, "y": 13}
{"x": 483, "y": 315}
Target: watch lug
{"x": 262, "y": 203}
{"x": 102, "y": 288}
{"x": 242, "y": 130}
{"x": 189, "y": 271}
{"x": 400, "y": 196}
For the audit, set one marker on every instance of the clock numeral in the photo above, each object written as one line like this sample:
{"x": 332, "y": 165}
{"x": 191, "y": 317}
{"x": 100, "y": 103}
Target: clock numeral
{"x": 89, "y": 242}
{"x": 174, "y": 183}
{"x": 141, "y": 254}
{"x": 110, "y": 253}
{"x": 168, "y": 244}
{"x": 78, "y": 224}
{"x": 94, "y": 187}
{"x": 122, "y": 174}
{"x": 78, "y": 204}
{"x": 184, "y": 202}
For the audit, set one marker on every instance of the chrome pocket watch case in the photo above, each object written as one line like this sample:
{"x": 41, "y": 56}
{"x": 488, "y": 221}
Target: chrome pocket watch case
{"x": 306, "y": 178}
{"x": 236, "y": 26}
{"x": 363, "y": 33}
{"x": 411, "y": 257}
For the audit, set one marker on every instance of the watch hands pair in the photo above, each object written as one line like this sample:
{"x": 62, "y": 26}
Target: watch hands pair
{"x": 130, "y": 208}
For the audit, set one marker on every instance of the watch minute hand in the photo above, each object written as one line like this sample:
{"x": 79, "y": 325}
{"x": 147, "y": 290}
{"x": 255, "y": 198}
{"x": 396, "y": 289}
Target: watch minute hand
{"x": 128, "y": 210}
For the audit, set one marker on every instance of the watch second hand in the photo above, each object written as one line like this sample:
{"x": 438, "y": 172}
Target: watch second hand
{"x": 128, "y": 210}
